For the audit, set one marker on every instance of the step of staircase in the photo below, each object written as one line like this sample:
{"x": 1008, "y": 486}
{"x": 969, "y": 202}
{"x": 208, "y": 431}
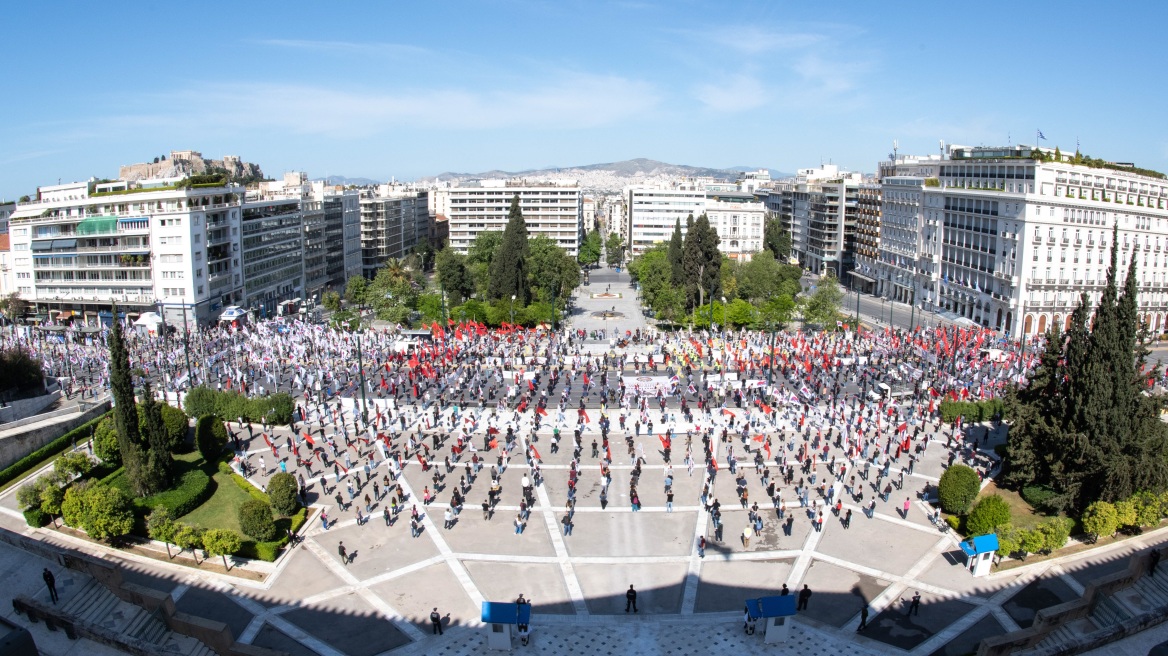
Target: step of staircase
{"x": 1108, "y": 613}
{"x": 81, "y": 599}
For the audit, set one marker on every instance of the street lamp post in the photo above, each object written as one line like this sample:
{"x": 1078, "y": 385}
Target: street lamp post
{"x": 361, "y": 373}
{"x": 912, "y": 317}
{"x": 513, "y": 309}
{"x": 723, "y": 318}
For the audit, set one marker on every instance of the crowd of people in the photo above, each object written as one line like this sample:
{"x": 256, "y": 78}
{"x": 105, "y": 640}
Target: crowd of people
{"x": 821, "y": 419}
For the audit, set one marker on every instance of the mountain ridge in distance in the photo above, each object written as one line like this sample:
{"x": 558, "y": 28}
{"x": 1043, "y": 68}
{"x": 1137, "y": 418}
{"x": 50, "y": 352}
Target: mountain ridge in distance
{"x": 626, "y": 168}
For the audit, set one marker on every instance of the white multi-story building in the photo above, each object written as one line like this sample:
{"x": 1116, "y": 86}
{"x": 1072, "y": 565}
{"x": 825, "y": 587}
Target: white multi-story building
{"x": 553, "y": 209}
{"x": 80, "y": 247}
{"x": 821, "y": 209}
{"x": 654, "y": 210}
{"x": 1008, "y": 241}
{"x": 392, "y": 223}
{"x": 6, "y": 210}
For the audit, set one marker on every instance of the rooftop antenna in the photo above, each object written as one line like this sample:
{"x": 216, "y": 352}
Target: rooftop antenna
{"x": 895, "y": 149}
{"x": 942, "y": 147}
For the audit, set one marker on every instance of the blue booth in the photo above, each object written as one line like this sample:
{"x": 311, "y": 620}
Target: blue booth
{"x": 501, "y": 616}
{"x": 774, "y": 611}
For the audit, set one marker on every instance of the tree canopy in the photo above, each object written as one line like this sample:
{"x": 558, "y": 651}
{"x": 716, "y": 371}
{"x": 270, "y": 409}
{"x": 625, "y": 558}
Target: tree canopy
{"x": 509, "y": 264}
{"x": 1082, "y": 425}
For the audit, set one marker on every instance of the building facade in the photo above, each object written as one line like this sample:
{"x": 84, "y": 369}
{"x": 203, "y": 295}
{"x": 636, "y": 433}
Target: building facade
{"x": 392, "y": 223}
{"x": 654, "y": 210}
{"x": 822, "y": 209}
{"x": 1010, "y": 242}
{"x": 81, "y": 247}
{"x": 554, "y": 210}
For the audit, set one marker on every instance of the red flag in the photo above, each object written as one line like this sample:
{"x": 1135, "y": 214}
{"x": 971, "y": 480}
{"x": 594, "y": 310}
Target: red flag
{"x": 541, "y": 411}
{"x": 759, "y": 438}
{"x": 664, "y": 442}
{"x": 421, "y": 459}
{"x": 534, "y": 453}
{"x": 727, "y": 411}
{"x": 492, "y": 431}
{"x": 766, "y": 408}
{"x": 531, "y": 385}
{"x": 934, "y": 392}
{"x": 714, "y": 463}
{"x": 586, "y": 381}
{"x": 608, "y": 453}
{"x": 266, "y": 440}
{"x": 902, "y": 428}
{"x": 494, "y": 444}
{"x": 308, "y": 438}
{"x": 767, "y": 447}
{"x": 584, "y": 413}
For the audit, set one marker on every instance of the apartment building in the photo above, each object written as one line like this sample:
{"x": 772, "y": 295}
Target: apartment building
{"x": 155, "y": 246}
{"x": 6, "y": 210}
{"x": 553, "y": 209}
{"x": 1009, "y": 242}
{"x": 654, "y": 210}
{"x": 821, "y": 208}
{"x": 393, "y": 222}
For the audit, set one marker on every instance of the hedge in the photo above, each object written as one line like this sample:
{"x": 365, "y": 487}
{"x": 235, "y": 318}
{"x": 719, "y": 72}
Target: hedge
{"x": 38, "y": 457}
{"x": 269, "y": 551}
{"x": 957, "y": 489}
{"x": 204, "y": 401}
{"x": 192, "y": 488}
{"x": 971, "y": 411}
{"x": 36, "y": 518}
{"x": 242, "y": 483}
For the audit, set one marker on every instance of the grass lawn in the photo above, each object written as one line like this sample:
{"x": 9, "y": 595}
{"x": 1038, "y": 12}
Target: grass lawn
{"x": 221, "y": 509}
{"x": 1022, "y": 514}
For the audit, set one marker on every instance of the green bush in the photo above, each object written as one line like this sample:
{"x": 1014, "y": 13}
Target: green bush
{"x": 175, "y": 422}
{"x": 210, "y": 437}
{"x": 102, "y": 511}
{"x": 1100, "y": 519}
{"x": 203, "y": 401}
{"x": 1147, "y": 508}
{"x": 1126, "y": 514}
{"x": 255, "y": 518}
{"x": 971, "y": 411}
{"x": 269, "y": 551}
{"x": 191, "y": 488}
{"x": 19, "y": 371}
{"x": 199, "y": 402}
{"x": 987, "y": 515}
{"x": 954, "y": 522}
{"x": 36, "y": 518}
{"x": 1054, "y": 533}
{"x": 1038, "y": 496}
{"x": 105, "y": 442}
{"x": 284, "y": 493}
{"x": 36, "y": 458}
{"x": 243, "y": 484}
{"x": 957, "y": 489}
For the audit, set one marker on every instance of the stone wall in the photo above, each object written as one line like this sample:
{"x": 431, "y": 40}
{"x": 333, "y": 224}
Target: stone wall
{"x": 26, "y": 408}
{"x": 14, "y": 447}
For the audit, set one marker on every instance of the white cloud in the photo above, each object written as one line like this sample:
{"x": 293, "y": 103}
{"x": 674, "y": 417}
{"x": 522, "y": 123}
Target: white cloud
{"x": 346, "y": 47}
{"x": 576, "y": 101}
{"x": 754, "y": 40}
{"x": 738, "y": 93}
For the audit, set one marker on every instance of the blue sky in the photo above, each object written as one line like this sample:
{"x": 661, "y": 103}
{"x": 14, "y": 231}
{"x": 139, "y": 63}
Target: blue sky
{"x": 408, "y": 89}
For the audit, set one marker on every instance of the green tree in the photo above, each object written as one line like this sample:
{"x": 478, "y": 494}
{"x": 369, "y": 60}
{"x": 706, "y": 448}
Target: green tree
{"x": 1126, "y": 514}
{"x": 357, "y": 291}
{"x": 776, "y": 240}
{"x": 1147, "y": 508}
{"x": 701, "y": 262}
{"x": 52, "y": 495}
{"x": 823, "y": 307}
{"x": 589, "y": 253}
{"x": 210, "y": 437}
{"x": 1100, "y": 520}
{"x": 12, "y": 306}
{"x": 71, "y": 464}
{"x": 1055, "y": 532}
{"x": 1009, "y": 541}
{"x": 676, "y": 246}
{"x": 454, "y": 275}
{"x": 189, "y": 538}
{"x": 550, "y": 270}
{"x": 284, "y": 493}
{"x": 255, "y": 518}
{"x": 479, "y": 259}
{"x": 159, "y": 464}
{"x": 221, "y": 542}
{"x": 331, "y": 301}
{"x": 126, "y": 413}
{"x": 1031, "y": 542}
{"x": 614, "y": 247}
{"x": 102, "y": 511}
{"x": 987, "y": 515}
{"x": 160, "y": 526}
{"x": 957, "y": 489}
{"x": 1082, "y": 425}
{"x": 509, "y": 265}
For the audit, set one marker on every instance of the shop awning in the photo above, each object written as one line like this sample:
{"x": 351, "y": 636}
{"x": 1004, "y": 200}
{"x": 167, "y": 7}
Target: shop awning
{"x": 64, "y": 243}
{"x": 862, "y": 276}
{"x": 42, "y": 246}
{"x": 65, "y": 314}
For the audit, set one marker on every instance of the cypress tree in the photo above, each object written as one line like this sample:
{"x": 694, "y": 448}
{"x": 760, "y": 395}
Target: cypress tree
{"x": 674, "y": 252}
{"x": 125, "y": 410}
{"x": 1082, "y": 425}
{"x": 159, "y": 465}
{"x": 701, "y": 261}
{"x": 509, "y": 266}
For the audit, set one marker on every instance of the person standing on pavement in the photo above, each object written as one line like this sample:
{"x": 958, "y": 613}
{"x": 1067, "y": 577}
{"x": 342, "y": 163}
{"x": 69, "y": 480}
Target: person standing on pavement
{"x": 1153, "y": 561}
{"x": 631, "y": 599}
{"x": 804, "y": 596}
{"x": 863, "y": 618}
{"x": 342, "y": 553}
{"x": 914, "y": 607}
{"x": 51, "y": 582}
{"x": 435, "y": 622}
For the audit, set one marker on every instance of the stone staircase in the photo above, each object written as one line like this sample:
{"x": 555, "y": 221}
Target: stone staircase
{"x": 1147, "y": 595}
{"x": 95, "y": 605}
